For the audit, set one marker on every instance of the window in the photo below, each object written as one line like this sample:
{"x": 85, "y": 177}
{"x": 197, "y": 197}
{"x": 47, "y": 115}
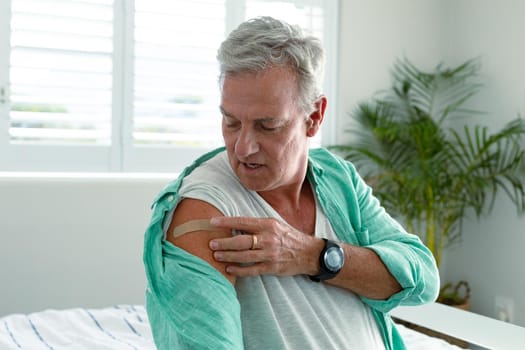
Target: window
{"x": 175, "y": 78}
{"x": 120, "y": 85}
{"x": 60, "y": 73}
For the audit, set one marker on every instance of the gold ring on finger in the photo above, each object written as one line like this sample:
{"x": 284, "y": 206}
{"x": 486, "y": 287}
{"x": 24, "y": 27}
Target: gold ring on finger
{"x": 254, "y": 242}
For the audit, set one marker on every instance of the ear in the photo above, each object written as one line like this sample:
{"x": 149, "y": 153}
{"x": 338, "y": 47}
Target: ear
{"x": 315, "y": 119}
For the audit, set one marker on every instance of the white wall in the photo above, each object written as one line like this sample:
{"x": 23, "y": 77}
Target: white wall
{"x": 490, "y": 256}
{"x": 376, "y": 32}
{"x": 70, "y": 242}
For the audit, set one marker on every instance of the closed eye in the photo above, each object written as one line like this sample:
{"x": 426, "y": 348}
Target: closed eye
{"x": 270, "y": 125}
{"x": 230, "y": 123}
{"x": 268, "y": 128}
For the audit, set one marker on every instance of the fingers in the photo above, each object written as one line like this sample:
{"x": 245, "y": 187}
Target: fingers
{"x": 255, "y": 229}
{"x": 254, "y": 242}
{"x": 248, "y": 270}
{"x": 247, "y": 224}
{"x": 245, "y": 263}
{"x": 236, "y": 243}
{"x": 239, "y": 257}
{"x": 244, "y": 253}
{"x": 268, "y": 247}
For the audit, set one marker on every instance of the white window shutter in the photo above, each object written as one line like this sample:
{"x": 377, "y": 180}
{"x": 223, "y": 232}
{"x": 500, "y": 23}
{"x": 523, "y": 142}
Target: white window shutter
{"x": 176, "y": 93}
{"x": 124, "y": 85}
{"x": 60, "y": 72}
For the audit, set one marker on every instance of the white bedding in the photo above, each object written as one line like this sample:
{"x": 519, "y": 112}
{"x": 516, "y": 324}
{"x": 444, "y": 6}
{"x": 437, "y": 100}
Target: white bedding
{"x": 119, "y": 327}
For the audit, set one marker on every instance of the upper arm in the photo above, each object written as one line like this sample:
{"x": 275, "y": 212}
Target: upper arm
{"x": 197, "y": 242}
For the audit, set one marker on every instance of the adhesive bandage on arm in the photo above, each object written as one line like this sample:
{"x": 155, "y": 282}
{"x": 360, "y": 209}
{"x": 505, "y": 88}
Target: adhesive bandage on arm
{"x": 194, "y": 225}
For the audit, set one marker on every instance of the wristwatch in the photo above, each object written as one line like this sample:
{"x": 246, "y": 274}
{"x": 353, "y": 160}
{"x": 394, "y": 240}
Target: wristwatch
{"x": 331, "y": 261}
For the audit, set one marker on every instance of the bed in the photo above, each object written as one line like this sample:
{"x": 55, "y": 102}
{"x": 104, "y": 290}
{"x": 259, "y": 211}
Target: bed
{"x": 114, "y": 211}
{"x": 117, "y": 327}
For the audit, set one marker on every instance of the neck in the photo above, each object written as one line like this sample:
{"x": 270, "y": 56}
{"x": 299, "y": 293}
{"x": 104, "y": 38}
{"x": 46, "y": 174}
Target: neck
{"x": 295, "y": 205}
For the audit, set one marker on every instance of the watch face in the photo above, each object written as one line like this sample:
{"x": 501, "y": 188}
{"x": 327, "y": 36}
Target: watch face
{"x": 334, "y": 258}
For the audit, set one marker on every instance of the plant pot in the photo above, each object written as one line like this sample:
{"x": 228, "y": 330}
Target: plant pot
{"x": 455, "y": 295}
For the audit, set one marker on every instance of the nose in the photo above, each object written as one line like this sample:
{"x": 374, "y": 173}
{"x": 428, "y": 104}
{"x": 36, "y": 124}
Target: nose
{"x": 246, "y": 143}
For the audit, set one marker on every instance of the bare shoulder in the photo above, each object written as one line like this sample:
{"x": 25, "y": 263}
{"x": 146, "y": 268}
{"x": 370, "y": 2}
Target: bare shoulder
{"x": 197, "y": 242}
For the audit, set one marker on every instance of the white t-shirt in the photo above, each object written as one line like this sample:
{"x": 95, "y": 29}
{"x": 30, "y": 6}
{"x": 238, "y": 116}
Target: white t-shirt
{"x": 284, "y": 312}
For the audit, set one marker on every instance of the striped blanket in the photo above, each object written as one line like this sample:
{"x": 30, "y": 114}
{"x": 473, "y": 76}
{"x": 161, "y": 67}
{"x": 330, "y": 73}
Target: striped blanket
{"x": 119, "y": 327}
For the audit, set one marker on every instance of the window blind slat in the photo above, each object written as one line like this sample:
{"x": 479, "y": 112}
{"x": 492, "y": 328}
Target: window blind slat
{"x": 175, "y": 72}
{"x": 61, "y": 71}
{"x": 88, "y": 9}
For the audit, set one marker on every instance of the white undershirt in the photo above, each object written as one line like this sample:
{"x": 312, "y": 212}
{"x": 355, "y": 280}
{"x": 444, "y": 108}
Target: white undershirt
{"x": 285, "y": 312}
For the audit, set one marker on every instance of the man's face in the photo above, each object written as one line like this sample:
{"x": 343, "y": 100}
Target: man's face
{"x": 265, "y": 131}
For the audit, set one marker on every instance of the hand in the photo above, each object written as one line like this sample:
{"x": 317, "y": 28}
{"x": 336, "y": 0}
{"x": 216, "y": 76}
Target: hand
{"x": 277, "y": 248}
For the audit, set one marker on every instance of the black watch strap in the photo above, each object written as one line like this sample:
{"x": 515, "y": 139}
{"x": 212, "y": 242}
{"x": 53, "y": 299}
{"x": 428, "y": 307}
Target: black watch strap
{"x": 331, "y": 261}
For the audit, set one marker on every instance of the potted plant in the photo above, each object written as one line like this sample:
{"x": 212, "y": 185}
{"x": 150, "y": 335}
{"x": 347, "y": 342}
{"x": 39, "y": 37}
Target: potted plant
{"x": 427, "y": 169}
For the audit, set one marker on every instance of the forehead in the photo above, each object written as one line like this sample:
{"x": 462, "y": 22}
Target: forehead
{"x": 274, "y": 89}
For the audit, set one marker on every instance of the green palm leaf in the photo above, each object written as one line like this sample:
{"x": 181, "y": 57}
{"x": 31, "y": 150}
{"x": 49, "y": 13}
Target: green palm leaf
{"x": 425, "y": 170}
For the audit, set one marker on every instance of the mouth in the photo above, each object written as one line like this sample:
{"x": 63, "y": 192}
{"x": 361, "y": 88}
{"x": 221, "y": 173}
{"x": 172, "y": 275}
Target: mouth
{"x": 251, "y": 165}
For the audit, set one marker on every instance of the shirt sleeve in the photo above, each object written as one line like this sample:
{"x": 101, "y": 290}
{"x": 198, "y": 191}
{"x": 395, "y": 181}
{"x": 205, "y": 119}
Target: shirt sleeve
{"x": 405, "y": 256}
{"x": 190, "y": 305}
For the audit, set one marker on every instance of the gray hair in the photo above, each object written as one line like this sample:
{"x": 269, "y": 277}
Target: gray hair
{"x": 265, "y": 42}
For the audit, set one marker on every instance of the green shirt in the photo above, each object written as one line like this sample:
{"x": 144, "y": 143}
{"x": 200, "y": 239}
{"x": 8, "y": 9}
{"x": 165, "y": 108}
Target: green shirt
{"x": 192, "y": 306}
